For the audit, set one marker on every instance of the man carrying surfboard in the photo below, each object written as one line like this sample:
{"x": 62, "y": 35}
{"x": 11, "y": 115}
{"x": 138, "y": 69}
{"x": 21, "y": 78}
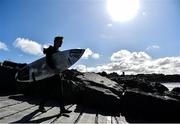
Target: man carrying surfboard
{"x": 48, "y": 52}
{"x": 53, "y": 49}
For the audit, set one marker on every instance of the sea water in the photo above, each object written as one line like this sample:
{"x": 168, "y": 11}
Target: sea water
{"x": 171, "y": 85}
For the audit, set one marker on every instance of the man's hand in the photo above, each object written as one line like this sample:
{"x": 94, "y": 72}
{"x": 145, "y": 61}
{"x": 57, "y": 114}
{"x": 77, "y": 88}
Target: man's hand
{"x": 44, "y": 50}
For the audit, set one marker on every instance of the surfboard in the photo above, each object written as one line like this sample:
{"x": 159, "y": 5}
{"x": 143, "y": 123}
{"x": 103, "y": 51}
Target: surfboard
{"x": 39, "y": 69}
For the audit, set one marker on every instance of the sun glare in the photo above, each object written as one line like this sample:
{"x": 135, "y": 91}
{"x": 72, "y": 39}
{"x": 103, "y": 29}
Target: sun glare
{"x": 122, "y": 10}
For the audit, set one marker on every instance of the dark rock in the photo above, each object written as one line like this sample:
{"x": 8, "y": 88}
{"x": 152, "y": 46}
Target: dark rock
{"x": 71, "y": 74}
{"x": 7, "y": 79}
{"x": 174, "y": 93}
{"x": 98, "y": 91}
{"x": 104, "y": 74}
{"x": 118, "y": 78}
{"x": 139, "y": 84}
{"x": 159, "y": 77}
{"x": 138, "y": 106}
{"x": 8, "y": 70}
{"x": 114, "y": 75}
{"x": 176, "y": 90}
{"x": 159, "y": 87}
{"x": 143, "y": 85}
{"x": 13, "y": 65}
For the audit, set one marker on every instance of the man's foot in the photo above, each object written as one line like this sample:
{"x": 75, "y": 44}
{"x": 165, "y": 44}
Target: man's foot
{"x": 43, "y": 110}
{"x": 65, "y": 111}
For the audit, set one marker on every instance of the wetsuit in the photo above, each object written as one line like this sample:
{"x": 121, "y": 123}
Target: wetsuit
{"x": 49, "y": 51}
{"x": 56, "y": 85}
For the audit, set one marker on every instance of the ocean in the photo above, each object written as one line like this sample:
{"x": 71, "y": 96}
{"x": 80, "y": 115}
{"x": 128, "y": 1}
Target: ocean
{"x": 171, "y": 85}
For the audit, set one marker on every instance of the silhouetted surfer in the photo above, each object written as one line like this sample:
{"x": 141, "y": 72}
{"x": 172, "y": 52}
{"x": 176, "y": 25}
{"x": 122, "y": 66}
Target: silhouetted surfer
{"x": 57, "y": 78}
{"x": 51, "y": 50}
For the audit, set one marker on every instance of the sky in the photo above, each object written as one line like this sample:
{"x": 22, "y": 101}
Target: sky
{"x": 149, "y": 42}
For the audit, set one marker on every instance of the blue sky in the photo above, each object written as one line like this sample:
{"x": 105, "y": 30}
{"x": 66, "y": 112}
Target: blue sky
{"x": 153, "y": 34}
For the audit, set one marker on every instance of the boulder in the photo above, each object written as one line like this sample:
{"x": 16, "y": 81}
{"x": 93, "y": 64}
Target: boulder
{"x": 174, "y": 93}
{"x": 139, "y": 106}
{"x": 7, "y": 80}
{"x": 161, "y": 89}
{"x": 96, "y": 91}
{"x": 104, "y": 74}
{"x": 13, "y": 65}
{"x": 8, "y": 70}
{"x": 143, "y": 85}
{"x": 176, "y": 90}
{"x": 92, "y": 89}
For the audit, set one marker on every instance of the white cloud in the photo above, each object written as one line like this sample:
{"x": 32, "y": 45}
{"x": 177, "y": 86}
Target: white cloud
{"x": 89, "y": 53}
{"x": 124, "y": 55}
{"x": 95, "y": 56}
{"x": 84, "y": 68}
{"x": 28, "y": 46}
{"x": 153, "y": 47}
{"x": 81, "y": 68}
{"x": 46, "y": 45}
{"x": 120, "y": 55}
{"x": 3, "y": 46}
{"x": 138, "y": 63}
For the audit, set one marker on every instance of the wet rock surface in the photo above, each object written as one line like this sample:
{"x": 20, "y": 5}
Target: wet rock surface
{"x": 138, "y": 99}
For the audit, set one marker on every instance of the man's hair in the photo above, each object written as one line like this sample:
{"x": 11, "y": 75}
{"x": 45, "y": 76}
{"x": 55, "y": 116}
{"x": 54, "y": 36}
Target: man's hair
{"x": 58, "y": 38}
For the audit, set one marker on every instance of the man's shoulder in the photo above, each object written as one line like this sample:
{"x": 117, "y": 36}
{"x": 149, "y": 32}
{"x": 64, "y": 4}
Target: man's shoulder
{"x": 47, "y": 50}
{"x": 50, "y": 47}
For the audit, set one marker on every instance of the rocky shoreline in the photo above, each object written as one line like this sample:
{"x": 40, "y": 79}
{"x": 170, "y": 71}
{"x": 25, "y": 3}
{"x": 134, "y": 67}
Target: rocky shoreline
{"x": 140, "y": 98}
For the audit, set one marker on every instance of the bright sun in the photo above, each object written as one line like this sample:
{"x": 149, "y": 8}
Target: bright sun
{"x": 122, "y": 10}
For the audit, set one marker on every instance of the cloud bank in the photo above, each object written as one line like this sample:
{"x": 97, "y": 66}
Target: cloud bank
{"x": 28, "y": 46}
{"x": 136, "y": 63}
{"x": 3, "y": 46}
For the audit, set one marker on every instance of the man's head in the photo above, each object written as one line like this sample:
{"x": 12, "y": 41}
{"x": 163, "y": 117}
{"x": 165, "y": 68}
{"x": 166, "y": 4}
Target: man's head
{"x": 58, "y": 41}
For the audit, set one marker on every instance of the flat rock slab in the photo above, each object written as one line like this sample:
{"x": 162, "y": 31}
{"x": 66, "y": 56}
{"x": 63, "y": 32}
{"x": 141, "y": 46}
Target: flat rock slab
{"x": 95, "y": 90}
{"x": 19, "y": 109}
{"x": 100, "y": 81}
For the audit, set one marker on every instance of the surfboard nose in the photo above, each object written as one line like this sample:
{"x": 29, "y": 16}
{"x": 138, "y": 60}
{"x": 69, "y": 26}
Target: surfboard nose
{"x": 77, "y": 52}
{"x": 82, "y": 51}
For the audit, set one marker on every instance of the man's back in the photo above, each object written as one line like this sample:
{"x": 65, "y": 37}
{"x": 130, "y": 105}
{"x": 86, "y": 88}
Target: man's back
{"x": 49, "y": 51}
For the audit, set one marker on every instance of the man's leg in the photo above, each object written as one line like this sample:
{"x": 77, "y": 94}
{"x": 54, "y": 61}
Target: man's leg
{"x": 61, "y": 100}
{"x": 41, "y": 105}
{"x": 43, "y": 98}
